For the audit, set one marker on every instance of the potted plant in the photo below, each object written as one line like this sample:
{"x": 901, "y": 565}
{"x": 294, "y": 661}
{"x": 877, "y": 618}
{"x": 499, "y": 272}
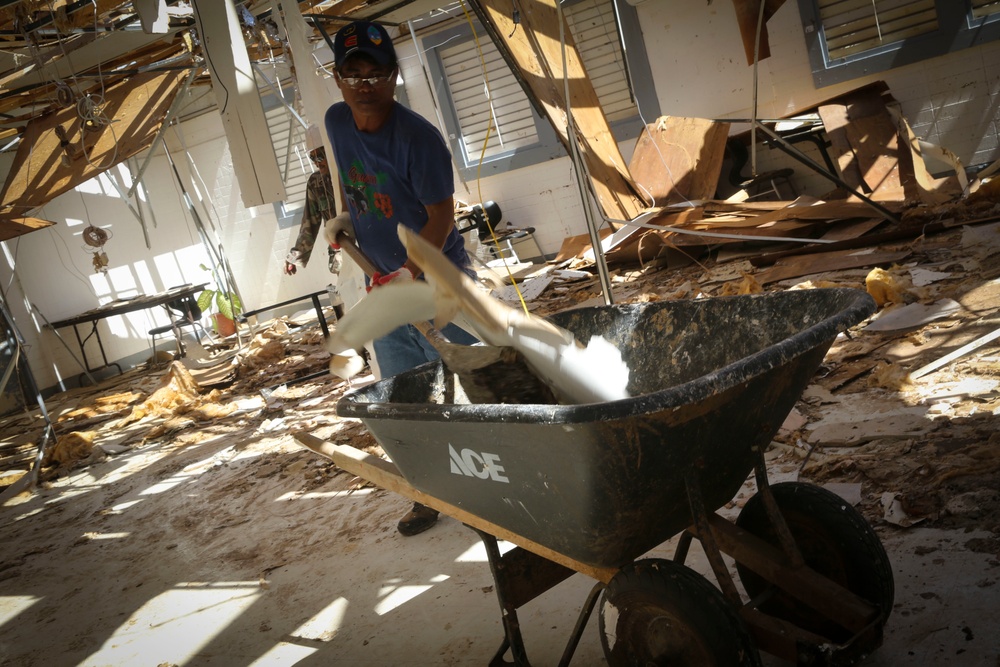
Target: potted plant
{"x": 227, "y": 307}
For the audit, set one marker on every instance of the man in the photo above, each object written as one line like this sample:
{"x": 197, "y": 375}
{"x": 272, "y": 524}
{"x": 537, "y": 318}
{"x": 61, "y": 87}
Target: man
{"x": 397, "y": 169}
{"x": 320, "y": 206}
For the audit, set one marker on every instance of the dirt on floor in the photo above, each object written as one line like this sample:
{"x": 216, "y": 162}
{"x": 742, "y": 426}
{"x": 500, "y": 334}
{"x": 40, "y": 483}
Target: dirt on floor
{"x": 158, "y": 477}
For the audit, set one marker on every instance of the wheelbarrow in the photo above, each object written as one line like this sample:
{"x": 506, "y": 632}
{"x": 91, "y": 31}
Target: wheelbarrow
{"x": 592, "y": 488}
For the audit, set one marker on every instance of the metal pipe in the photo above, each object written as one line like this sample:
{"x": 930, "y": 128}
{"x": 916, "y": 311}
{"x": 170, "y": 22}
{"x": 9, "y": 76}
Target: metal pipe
{"x": 174, "y": 108}
{"x": 581, "y": 173}
{"x": 281, "y": 97}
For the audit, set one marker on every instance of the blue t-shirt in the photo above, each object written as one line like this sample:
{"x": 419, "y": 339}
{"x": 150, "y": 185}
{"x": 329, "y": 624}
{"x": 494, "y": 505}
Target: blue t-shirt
{"x": 388, "y": 177}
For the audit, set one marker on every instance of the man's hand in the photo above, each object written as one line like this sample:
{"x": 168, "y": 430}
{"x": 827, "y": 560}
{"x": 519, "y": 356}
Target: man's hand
{"x": 340, "y": 223}
{"x": 402, "y": 274}
{"x": 292, "y": 260}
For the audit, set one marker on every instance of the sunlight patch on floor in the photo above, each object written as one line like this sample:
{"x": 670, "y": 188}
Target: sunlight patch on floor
{"x": 324, "y": 625}
{"x": 175, "y": 625}
{"x": 12, "y": 605}
{"x": 396, "y": 596}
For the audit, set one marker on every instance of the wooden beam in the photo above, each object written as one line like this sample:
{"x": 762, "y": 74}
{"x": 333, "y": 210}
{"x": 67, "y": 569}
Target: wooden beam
{"x": 58, "y": 10}
{"x": 56, "y": 153}
{"x": 535, "y": 49}
{"x": 99, "y": 52}
{"x": 14, "y": 227}
{"x": 252, "y": 155}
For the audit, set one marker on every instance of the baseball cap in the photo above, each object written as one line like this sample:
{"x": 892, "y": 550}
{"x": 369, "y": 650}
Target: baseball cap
{"x": 363, "y": 37}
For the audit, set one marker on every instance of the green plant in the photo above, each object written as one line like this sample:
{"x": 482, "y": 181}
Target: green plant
{"x": 226, "y": 303}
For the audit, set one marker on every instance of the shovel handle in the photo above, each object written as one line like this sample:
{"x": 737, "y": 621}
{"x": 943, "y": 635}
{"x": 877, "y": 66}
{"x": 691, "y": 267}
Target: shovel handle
{"x": 433, "y": 336}
{"x": 348, "y": 245}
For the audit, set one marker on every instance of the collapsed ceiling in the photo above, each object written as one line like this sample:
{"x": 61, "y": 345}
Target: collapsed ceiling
{"x": 86, "y": 84}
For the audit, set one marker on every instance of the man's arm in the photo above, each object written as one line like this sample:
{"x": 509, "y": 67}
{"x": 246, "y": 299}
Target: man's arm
{"x": 440, "y": 220}
{"x": 313, "y": 214}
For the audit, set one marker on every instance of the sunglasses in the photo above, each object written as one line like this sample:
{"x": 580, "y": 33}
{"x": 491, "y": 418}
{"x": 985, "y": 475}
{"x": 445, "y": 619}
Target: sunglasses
{"x": 373, "y": 81}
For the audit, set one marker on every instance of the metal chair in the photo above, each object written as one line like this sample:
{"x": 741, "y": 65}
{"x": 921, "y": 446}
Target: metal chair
{"x": 486, "y": 219}
{"x": 183, "y": 312}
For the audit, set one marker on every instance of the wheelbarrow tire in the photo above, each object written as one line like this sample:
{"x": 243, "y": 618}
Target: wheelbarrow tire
{"x": 658, "y": 612}
{"x": 835, "y": 540}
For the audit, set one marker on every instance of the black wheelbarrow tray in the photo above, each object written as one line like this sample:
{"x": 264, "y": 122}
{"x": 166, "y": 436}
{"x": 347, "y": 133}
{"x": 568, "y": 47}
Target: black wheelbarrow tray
{"x": 591, "y": 488}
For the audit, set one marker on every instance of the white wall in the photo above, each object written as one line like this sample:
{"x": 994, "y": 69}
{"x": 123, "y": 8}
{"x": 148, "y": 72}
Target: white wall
{"x": 52, "y": 268}
{"x": 700, "y": 69}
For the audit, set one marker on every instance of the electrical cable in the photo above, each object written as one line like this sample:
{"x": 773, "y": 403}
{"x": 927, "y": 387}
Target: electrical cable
{"x": 482, "y": 155}
{"x": 208, "y": 57}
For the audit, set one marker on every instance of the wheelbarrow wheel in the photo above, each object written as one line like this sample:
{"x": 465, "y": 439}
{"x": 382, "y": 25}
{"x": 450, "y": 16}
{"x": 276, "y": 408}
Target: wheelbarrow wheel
{"x": 658, "y": 612}
{"x": 835, "y": 541}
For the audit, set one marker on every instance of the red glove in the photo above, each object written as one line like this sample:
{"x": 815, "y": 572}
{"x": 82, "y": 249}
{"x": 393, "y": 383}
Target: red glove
{"x": 401, "y": 274}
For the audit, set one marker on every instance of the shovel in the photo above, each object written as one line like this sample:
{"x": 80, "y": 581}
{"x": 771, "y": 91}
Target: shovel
{"x": 488, "y": 374}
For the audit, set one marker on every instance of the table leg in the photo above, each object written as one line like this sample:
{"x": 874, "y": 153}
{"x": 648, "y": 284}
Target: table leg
{"x": 319, "y": 314}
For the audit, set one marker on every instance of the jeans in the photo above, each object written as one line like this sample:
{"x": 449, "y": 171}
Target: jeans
{"x": 405, "y": 348}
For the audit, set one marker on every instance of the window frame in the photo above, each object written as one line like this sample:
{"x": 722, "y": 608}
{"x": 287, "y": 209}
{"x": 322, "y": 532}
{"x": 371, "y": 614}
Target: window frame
{"x": 548, "y": 145}
{"x": 957, "y": 29}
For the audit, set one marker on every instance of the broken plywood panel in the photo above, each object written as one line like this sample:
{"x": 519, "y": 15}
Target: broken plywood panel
{"x": 865, "y": 137}
{"x": 794, "y": 267}
{"x": 61, "y": 150}
{"x": 14, "y": 227}
{"x": 679, "y": 159}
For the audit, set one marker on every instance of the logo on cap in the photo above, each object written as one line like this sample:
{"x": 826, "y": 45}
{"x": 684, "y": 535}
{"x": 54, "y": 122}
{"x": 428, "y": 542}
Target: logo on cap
{"x": 374, "y": 36}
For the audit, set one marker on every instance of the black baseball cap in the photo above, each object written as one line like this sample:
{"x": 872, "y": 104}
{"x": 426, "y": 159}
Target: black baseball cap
{"x": 363, "y": 37}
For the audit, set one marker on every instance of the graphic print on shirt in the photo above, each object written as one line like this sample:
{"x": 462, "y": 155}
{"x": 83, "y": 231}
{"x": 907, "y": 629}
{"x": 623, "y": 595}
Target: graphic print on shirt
{"x": 361, "y": 189}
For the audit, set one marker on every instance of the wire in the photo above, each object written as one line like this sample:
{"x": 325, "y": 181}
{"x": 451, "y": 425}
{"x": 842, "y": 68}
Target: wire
{"x": 208, "y": 57}
{"x": 482, "y": 155}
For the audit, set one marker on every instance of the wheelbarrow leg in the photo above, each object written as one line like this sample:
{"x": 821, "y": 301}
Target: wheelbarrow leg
{"x": 521, "y": 576}
{"x": 512, "y": 640}
{"x": 699, "y": 515}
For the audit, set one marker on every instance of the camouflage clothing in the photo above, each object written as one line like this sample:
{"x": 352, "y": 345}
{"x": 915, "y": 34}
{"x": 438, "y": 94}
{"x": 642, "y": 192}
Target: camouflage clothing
{"x": 320, "y": 206}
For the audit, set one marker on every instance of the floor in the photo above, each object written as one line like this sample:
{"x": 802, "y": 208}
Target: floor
{"x": 198, "y": 537}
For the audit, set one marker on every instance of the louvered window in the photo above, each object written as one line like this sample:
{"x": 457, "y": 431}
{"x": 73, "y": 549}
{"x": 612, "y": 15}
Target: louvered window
{"x": 984, "y": 8}
{"x": 503, "y": 110}
{"x": 592, "y": 23}
{"x": 851, "y": 38}
{"x": 288, "y": 138}
{"x": 517, "y": 135}
{"x": 855, "y": 26}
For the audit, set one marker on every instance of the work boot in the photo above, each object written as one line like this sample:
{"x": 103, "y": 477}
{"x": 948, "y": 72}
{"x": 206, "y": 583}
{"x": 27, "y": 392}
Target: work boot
{"x": 419, "y": 519}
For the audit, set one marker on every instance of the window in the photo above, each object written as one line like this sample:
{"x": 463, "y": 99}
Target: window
{"x": 851, "y": 38}
{"x": 289, "y": 140}
{"x": 518, "y": 136}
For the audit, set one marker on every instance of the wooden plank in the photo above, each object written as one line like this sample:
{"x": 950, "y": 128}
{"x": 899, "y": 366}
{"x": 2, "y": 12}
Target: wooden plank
{"x": 748, "y": 15}
{"x": 39, "y": 172}
{"x": 679, "y": 159}
{"x": 13, "y": 227}
{"x": 871, "y": 133}
{"x": 386, "y": 475}
{"x": 834, "y": 118}
{"x": 535, "y": 49}
{"x": 795, "y": 267}
{"x": 931, "y": 190}
{"x": 90, "y": 55}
